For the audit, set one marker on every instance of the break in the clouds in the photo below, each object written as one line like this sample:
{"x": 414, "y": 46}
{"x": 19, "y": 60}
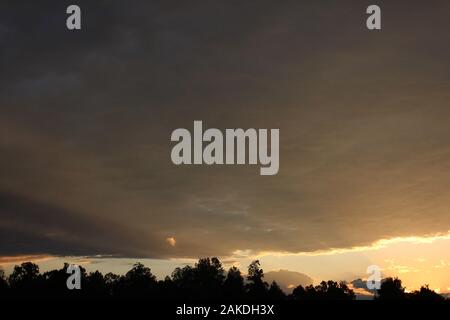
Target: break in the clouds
{"x": 86, "y": 118}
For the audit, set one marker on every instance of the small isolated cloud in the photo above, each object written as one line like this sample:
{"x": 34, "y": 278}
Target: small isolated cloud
{"x": 171, "y": 241}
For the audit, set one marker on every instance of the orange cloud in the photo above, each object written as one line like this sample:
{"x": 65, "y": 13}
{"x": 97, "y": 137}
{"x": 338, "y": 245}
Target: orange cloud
{"x": 4, "y": 261}
{"x": 171, "y": 241}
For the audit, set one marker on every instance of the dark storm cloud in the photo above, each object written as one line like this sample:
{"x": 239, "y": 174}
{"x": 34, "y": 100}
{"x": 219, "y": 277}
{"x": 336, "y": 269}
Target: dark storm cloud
{"x": 31, "y": 227}
{"x": 361, "y": 284}
{"x": 86, "y": 118}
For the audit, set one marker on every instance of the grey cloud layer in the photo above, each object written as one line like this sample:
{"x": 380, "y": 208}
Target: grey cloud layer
{"x": 86, "y": 118}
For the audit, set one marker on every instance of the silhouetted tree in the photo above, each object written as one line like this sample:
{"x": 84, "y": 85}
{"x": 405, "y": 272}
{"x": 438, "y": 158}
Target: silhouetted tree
{"x": 209, "y": 276}
{"x": 275, "y": 292}
{"x": 335, "y": 291}
{"x": 111, "y": 283}
{"x": 206, "y": 280}
{"x": 23, "y": 274}
{"x": 55, "y": 284}
{"x": 95, "y": 286}
{"x": 166, "y": 289}
{"x": 26, "y": 280}
{"x": 3, "y": 284}
{"x": 425, "y": 293}
{"x": 139, "y": 282}
{"x": 304, "y": 293}
{"x": 184, "y": 281}
{"x": 233, "y": 286}
{"x": 391, "y": 289}
{"x": 256, "y": 286}
{"x": 326, "y": 290}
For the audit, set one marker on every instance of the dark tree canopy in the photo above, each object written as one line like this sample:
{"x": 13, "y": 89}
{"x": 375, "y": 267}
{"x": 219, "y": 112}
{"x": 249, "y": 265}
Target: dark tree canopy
{"x": 425, "y": 293}
{"x": 233, "y": 286}
{"x": 329, "y": 290}
{"x": 206, "y": 280}
{"x": 391, "y": 289}
{"x": 256, "y": 287}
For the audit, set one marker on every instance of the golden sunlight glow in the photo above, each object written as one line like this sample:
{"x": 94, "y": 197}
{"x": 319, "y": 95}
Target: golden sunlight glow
{"x": 4, "y": 261}
{"x": 415, "y": 260}
{"x": 171, "y": 241}
{"x": 382, "y": 243}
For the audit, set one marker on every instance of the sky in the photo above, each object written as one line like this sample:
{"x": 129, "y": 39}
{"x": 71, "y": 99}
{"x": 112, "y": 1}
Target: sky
{"x": 86, "y": 118}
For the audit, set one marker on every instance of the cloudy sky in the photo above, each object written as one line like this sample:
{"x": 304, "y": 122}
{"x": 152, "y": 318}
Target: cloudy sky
{"x": 86, "y": 118}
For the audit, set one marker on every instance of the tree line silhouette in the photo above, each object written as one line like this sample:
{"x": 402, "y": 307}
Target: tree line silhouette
{"x": 206, "y": 280}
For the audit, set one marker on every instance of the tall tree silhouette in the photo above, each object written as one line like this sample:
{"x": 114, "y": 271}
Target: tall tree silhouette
{"x": 256, "y": 286}
{"x": 112, "y": 282}
{"x": 209, "y": 276}
{"x": 233, "y": 286}
{"x": 3, "y": 284}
